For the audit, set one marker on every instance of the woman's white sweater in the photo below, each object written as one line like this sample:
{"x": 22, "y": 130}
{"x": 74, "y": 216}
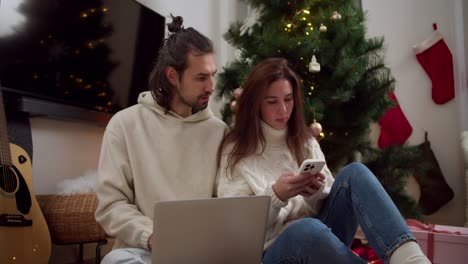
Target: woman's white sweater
{"x": 256, "y": 174}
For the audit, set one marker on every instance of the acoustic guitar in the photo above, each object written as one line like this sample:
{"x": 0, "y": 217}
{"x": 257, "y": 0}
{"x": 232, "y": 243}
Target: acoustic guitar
{"x": 24, "y": 235}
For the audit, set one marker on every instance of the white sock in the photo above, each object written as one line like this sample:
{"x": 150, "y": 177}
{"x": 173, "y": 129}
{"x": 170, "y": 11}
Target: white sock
{"x": 409, "y": 253}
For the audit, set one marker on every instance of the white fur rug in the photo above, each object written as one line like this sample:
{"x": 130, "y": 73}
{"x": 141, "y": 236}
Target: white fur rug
{"x": 82, "y": 184}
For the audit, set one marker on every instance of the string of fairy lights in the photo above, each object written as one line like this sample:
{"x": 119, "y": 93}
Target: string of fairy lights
{"x": 55, "y": 45}
{"x": 301, "y": 21}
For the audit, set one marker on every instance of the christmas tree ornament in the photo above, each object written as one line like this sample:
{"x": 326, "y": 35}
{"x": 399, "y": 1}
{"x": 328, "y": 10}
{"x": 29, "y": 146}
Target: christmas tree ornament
{"x": 233, "y": 106}
{"x": 436, "y": 60}
{"x": 237, "y": 93}
{"x": 314, "y": 66}
{"x": 250, "y": 21}
{"x": 335, "y": 16}
{"x": 316, "y": 129}
{"x": 323, "y": 28}
{"x": 394, "y": 126}
{"x": 238, "y": 54}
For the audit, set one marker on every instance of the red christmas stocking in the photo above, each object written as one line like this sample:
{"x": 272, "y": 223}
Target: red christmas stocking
{"x": 436, "y": 59}
{"x": 394, "y": 127}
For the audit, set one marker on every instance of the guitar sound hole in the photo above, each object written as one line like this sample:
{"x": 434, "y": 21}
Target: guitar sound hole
{"x": 8, "y": 180}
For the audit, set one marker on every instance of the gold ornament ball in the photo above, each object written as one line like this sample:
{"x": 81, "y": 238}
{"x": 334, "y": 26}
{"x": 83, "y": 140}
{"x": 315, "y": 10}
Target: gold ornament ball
{"x": 336, "y": 15}
{"x": 316, "y": 129}
{"x": 233, "y": 106}
{"x": 237, "y": 92}
{"x": 323, "y": 28}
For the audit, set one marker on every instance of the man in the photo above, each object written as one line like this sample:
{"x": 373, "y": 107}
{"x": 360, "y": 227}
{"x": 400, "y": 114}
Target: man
{"x": 163, "y": 148}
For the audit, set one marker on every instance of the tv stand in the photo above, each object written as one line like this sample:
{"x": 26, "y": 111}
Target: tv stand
{"x": 38, "y": 107}
{"x": 51, "y": 109}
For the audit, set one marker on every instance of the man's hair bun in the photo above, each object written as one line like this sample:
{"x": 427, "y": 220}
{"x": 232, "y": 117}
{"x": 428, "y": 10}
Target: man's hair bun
{"x": 176, "y": 25}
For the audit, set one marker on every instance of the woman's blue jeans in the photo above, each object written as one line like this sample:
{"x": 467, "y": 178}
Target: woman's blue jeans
{"x": 356, "y": 198}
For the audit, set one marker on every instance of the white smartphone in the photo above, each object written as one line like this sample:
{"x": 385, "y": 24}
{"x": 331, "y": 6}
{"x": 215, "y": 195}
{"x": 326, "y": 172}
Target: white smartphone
{"x": 312, "y": 166}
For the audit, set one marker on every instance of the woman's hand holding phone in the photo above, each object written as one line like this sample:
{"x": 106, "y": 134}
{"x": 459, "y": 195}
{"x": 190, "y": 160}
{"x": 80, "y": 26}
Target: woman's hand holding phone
{"x": 306, "y": 182}
{"x": 312, "y": 167}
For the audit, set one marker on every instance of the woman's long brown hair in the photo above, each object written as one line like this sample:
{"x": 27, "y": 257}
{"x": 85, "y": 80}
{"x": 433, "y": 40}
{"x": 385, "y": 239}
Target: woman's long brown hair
{"x": 246, "y": 134}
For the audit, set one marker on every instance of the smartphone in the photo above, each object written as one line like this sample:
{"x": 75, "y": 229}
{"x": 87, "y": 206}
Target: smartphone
{"x": 312, "y": 166}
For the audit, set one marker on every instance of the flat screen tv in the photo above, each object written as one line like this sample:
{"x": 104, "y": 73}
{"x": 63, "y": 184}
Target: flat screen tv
{"x": 80, "y": 59}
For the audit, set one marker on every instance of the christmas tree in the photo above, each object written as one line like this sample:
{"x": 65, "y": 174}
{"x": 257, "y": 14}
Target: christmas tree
{"x": 60, "y": 50}
{"x": 346, "y": 82}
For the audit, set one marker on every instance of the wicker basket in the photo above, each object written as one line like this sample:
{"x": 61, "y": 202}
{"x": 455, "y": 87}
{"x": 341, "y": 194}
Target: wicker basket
{"x": 70, "y": 218}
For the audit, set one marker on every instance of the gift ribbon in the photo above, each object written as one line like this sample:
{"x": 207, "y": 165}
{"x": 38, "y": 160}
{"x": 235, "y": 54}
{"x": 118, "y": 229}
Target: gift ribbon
{"x": 431, "y": 230}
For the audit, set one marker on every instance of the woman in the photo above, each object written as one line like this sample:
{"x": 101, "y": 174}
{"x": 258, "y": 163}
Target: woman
{"x": 313, "y": 218}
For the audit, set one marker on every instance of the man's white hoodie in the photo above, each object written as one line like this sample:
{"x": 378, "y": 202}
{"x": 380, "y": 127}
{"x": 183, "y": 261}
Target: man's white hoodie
{"x": 148, "y": 155}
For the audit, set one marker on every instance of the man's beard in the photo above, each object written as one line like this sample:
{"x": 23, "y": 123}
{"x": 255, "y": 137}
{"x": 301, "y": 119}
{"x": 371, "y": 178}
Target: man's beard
{"x": 200, "y": 106}
{"x": 194, "y": 105}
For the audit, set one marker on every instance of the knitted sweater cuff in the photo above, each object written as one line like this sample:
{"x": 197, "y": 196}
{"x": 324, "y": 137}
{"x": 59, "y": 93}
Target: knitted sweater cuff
{"x": 275, "y": 201}
{"x": 143, "y": 243}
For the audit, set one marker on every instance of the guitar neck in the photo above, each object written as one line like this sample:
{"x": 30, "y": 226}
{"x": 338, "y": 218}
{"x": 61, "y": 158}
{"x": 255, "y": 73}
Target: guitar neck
{"x": 5, "y": 154}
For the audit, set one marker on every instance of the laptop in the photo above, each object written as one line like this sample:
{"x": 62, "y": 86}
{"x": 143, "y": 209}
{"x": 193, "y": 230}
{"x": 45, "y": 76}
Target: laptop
{"x": 214, "y": 230}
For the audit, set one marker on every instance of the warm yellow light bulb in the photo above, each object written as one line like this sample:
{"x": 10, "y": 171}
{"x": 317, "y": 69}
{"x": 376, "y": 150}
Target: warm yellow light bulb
{"x": 84, "y": 15}
{"x": 306, "y": 11}
{"x": 289, "y": 25}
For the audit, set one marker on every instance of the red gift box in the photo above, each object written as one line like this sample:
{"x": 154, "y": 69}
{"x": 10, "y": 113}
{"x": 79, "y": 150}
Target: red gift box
{"x": 441, "y": 244}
